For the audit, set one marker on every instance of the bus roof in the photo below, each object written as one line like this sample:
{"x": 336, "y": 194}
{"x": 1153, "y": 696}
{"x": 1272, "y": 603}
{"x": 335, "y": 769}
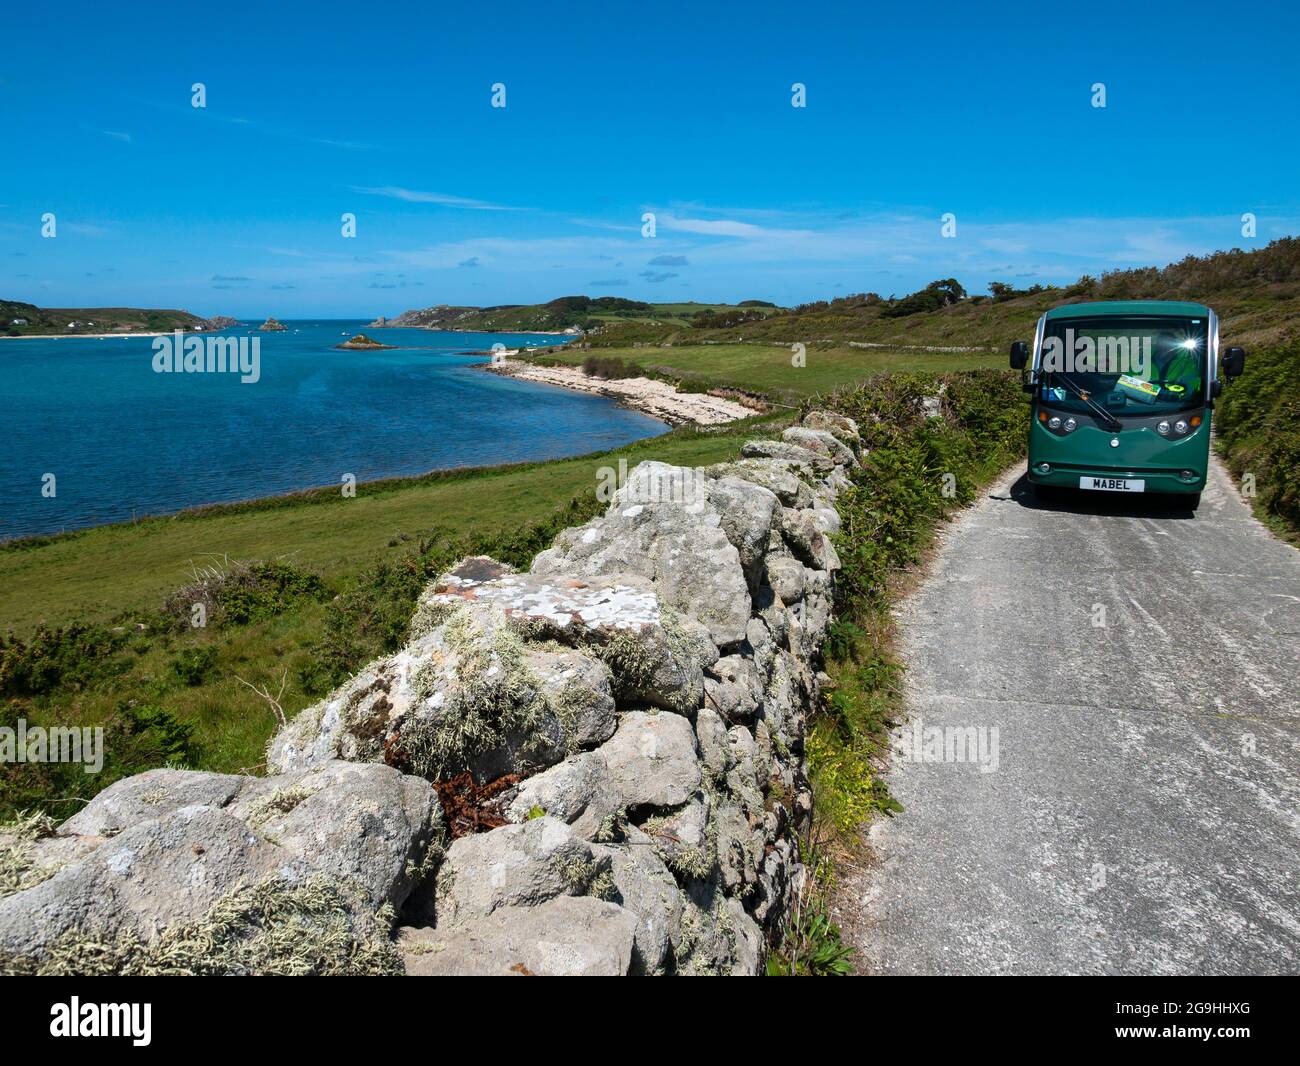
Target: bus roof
{"x": 1102, "y": 308}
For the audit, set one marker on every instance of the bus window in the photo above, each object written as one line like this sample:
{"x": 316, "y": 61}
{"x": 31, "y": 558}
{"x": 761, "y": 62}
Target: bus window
{"x": 1131, "y": 366}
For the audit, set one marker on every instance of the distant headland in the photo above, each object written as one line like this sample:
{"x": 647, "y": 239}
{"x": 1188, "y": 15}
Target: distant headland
{"x": 18, "y": 319}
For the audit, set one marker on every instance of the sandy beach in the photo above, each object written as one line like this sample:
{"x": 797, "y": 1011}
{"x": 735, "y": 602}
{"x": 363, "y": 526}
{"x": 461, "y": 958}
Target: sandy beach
{"x": 655, "y": 398}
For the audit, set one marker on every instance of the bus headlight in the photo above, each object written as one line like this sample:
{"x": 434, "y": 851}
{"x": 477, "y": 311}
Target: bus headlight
{"x": 1180, "y": 427}
{"x": 1070, "y": 425}
{"x": 1053, "y": 423}
{"x": 1044, "y": 468}
{"x": 1163, "y": 429}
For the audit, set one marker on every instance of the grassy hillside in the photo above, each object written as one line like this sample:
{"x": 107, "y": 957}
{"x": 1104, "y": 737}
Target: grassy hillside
{"x": 568, "y": 312}
{"x": 1257, "y": 295}
{"x": 44, "y": 320}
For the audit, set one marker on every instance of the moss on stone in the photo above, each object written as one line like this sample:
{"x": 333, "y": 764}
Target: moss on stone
{"x": 281, "y": 801}
{"x": 495, "y": 696}
{"x": 276, "y": 928}
{"x": 585, "y": 877}
{"x": 17, "y": 851}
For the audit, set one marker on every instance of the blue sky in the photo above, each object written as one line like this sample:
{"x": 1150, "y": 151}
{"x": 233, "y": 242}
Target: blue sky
{"x": 384, "y": 110}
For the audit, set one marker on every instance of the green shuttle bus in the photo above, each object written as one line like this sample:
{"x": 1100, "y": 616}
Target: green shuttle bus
{"x": 1122, "y": 394}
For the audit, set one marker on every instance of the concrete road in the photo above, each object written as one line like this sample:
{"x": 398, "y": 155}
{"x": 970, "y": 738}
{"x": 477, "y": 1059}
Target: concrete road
{"x": 1125, "y": 679}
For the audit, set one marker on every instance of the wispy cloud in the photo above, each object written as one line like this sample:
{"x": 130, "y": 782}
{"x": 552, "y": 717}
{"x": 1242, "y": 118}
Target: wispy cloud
{"x": 86, "y": 229}
{"x": 117, "y": 135}
{"x": 415, "y": 196}
{"x": 724, "y": 227}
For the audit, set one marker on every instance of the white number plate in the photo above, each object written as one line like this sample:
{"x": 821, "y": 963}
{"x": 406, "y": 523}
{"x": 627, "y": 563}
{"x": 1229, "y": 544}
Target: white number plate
{"x": 1113, "y": 484}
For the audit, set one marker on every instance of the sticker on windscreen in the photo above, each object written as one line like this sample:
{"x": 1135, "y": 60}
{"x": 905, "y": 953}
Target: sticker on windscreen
{"x": 1142, "y": 391}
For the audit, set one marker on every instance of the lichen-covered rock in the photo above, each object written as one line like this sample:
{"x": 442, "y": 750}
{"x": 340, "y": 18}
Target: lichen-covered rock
{"x": 565, "y": 937}
{"x": 368, "y": 825}
{"x": 663, "y": 526}
{"x": 154, "y": 874}
{"x": 645, "y": 888}
{"x": 735, "y": 688}
{"x": 517, "y": 866}
{"x": 656, "y": 654}
{"x": 718, "y": 936}
{"x": 779, "y": 877}
{"x": 788, "y": 481}
{"x": 844, "y": 428}
{"x": 685, "y": 838}
{"x": 138, "y": 860}
{"x": 711, "y": 738}
{"x": 151, "y": 795}
{"x": 787, "y": 576}
{"x": 650, "y": 761}
{"x": 740, "y": 848}
{"x": 822, "y": 442}
{"x": 818, "y": 462}
{"x": 827, "y": 519}
{"x": 747, "y": 511}
{"x": 806, "y": 540}
{"x": 468, "y": 695}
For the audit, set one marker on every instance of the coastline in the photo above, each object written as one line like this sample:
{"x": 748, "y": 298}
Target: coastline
{"x": 94, "y": 336}
{"x": 647, "y": 395}
{"x": 459, "y": 329}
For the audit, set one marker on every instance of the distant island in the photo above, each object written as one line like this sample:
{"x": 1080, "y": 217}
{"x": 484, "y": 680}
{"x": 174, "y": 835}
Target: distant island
{"x": 362, "y": 343}
{"x": 18, "y": 319}
{"x": 272, "y": 325}
{"x": 567, "y": 314}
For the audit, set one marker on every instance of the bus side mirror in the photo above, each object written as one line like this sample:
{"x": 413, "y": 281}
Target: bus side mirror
{"x": 1020, "y": 355}
{"x": 1233, "y": 362}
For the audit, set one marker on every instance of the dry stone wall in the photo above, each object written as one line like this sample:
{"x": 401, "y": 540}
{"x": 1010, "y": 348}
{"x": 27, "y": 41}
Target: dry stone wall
{"x": 627, "y": 720}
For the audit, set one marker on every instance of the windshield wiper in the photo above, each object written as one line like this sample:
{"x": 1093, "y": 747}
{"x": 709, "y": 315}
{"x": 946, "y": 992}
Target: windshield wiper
{"x": 1093, "y": 405}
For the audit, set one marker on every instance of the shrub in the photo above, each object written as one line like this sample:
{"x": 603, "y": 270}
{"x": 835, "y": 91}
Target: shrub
{"x": 242, "y": 591}
{"x": 71, "y": 656}
{"x": 193, "y": 665}
{"x": 136, "y": 737}
{"x": 609, "y": 367}
{"x": 1258, "y": 425}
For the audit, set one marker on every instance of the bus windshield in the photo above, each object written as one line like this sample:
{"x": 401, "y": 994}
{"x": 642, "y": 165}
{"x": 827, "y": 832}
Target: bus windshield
{"x": 1128, "y": 365}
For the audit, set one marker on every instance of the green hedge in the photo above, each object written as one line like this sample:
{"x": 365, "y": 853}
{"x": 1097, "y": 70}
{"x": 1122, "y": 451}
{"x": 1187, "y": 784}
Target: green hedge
{"x": 916, "y": 470}
{"x": 1257, "y": 422}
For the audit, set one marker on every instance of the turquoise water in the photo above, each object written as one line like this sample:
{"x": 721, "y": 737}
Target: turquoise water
{"x": 124, "y": 441}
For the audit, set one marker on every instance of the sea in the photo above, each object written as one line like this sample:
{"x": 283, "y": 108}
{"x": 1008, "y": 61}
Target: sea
{"x": 92, "y": 433}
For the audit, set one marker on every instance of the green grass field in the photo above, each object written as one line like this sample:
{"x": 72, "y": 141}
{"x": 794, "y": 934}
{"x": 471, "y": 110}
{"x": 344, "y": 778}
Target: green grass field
{"x": 98, "y": 574}
{"x": 768, "y": 368}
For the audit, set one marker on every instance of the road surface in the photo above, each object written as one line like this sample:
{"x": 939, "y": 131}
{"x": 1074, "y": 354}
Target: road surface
{"x": 1133, "y": 802}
